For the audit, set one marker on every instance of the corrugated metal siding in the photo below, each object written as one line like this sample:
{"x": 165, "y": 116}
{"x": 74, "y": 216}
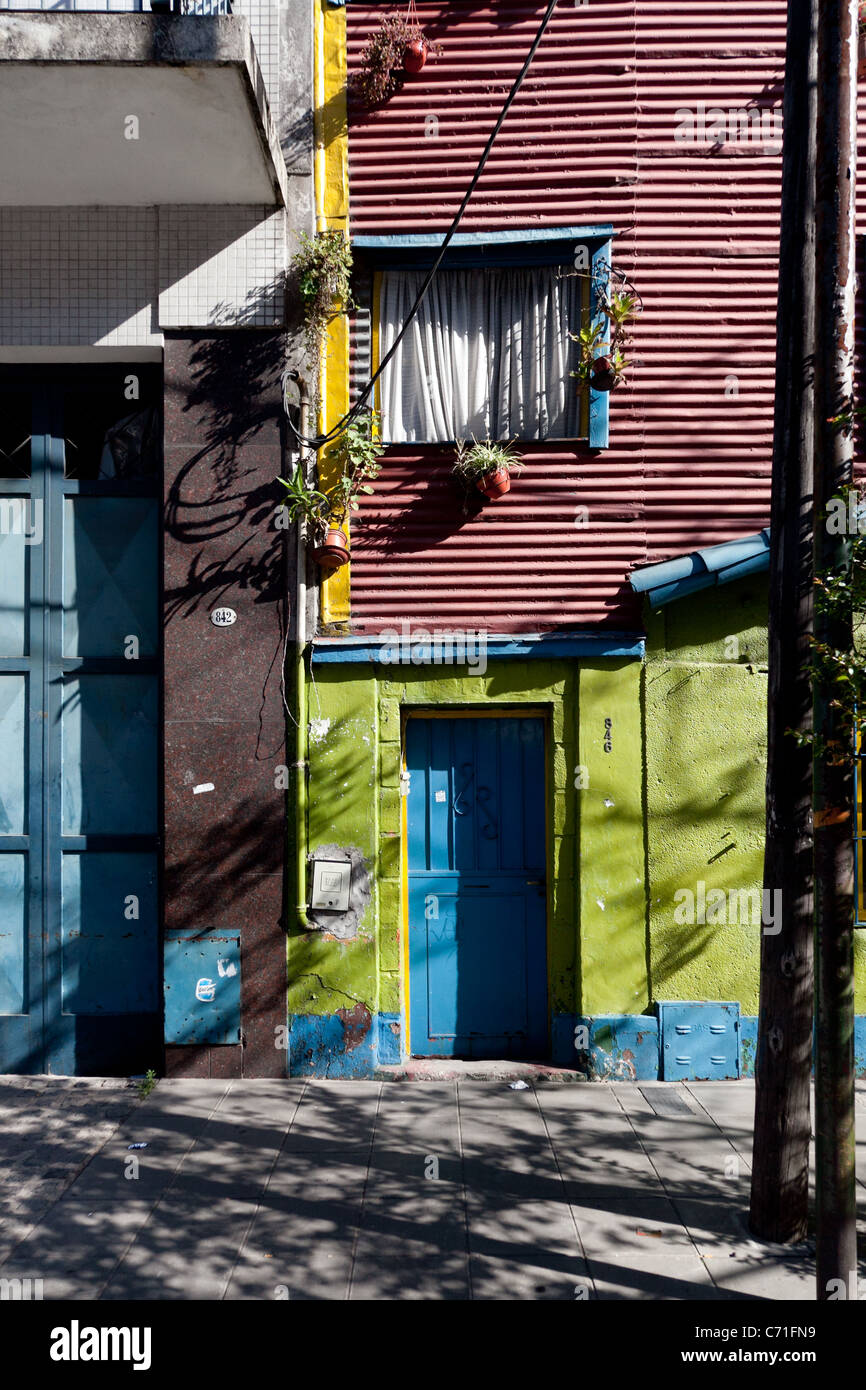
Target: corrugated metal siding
{"x": 590, "y": 139}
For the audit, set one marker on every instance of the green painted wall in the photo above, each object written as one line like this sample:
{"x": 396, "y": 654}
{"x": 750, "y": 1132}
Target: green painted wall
{"x": 612, "y": 859}
{"x": 705, "y": 691}
{"x": 596, "y": 849}
{"x": 705, "y": 711}
{"x": 666, "y": 795}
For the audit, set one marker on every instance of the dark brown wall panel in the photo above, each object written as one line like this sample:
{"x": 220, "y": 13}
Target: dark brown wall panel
{"x": 224, "y": 717}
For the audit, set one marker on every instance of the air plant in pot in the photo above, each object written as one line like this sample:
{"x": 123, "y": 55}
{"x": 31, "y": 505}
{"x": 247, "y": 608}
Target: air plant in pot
{"x": 602, "y": 362}
{"x": 354, "y": 457}
{"x": 399, "y": 46}
{"x": 487, "y": 465}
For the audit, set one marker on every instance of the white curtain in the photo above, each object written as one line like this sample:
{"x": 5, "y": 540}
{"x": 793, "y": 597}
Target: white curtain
{"x": 487, "y": 354}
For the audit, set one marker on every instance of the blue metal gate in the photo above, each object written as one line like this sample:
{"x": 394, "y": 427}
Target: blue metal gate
{"x": 477, "y": 921}
{"x": 80, "y": 459}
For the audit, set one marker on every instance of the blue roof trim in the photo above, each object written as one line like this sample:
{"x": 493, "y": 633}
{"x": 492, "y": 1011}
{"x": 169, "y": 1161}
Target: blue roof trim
{"x": 435, "y": 239}
{"x": 546, "y": 646}
{"x": 703, "y": 569}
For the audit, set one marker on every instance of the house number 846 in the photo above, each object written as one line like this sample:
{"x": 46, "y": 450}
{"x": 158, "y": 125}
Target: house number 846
{"x": 608, "y": 735}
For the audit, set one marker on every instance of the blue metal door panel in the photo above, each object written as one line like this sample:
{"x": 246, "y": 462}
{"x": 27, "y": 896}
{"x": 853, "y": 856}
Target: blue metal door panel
{"x": 13, "y": 934}
{"x": 477, "y": 896}
{"x": 699, "y": 1041}
{"x": 79, "y": 708}
{"x": 109, "y": 729}
{"x": 109, "y": 595}
{"x": 110, "y": 960}
{"x": 202, "y": 988}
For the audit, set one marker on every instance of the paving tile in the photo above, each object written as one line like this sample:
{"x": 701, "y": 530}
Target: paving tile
{"x": 523, "y": 1250}
{"x": 77, "y": 1245}
{"x": 185, "y": 1250}
{"x": 303, "y": 1232}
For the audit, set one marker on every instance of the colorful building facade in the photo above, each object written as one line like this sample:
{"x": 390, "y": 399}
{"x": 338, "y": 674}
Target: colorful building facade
{"x": 549, "y": 782}
{"x": 494, "y": 788}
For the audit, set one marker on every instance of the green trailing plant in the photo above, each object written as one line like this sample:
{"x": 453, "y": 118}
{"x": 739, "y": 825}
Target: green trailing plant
{"x": 322, "y": 266}
{"x": 841, "y": 593}
{"x": 354, "y": 457}
{"x": 483, "y": 457}
{"x": 381, "y": 72}
{"x": 601, "y": 345}
{"x": 305, "y": 503}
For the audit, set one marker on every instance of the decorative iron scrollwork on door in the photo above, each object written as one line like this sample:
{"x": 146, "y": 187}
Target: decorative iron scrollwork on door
{"x": 489, "y": 828}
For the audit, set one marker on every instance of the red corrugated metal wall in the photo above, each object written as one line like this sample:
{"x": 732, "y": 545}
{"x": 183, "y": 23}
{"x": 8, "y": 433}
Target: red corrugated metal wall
{"x": 593, "y": 137}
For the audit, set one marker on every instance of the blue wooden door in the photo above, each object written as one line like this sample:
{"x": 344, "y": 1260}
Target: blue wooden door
{"x": 79, "y": 721}
{"x": 477, "y": 923}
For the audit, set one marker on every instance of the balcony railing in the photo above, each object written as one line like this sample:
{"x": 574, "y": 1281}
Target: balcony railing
{"x": 203, "y": 7}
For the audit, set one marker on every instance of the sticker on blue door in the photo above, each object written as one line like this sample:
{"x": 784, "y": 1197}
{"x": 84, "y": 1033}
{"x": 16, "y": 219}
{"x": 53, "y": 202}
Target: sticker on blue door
{"x": 475, "y": 817}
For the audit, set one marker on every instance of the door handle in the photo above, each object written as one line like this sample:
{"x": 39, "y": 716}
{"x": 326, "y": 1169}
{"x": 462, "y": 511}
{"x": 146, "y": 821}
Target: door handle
{"x": 535, "y": 883}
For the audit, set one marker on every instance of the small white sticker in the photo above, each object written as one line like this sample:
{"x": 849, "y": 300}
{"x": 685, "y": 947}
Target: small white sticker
{"x": 203, "y": 787}
{"x": 223, "y": 617}
{"x": 205, "y": 990}
{"x": 441, "y": 796}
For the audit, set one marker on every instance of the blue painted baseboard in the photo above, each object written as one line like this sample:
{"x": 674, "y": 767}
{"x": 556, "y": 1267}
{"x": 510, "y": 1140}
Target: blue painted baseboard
{"x": 350, "y": 1044}
{"x": 749, "y": 1046}
{"x": 605, "y": 1047}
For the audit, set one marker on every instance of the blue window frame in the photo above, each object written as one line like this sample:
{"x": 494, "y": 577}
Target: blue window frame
{"x": 583, "y": 250}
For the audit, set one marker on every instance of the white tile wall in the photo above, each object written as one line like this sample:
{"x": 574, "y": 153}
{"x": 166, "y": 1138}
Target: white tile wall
{"x": 97, "y": 276}
{"x": 221, "y": 267}
{"x": 264, "y": 22}
{"x": 78, "y": 276}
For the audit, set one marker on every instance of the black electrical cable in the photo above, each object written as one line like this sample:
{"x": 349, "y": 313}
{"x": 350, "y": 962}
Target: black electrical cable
{"x": 319, "y": 440}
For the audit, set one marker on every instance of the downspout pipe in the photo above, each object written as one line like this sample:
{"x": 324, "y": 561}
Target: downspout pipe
{"x": 301, "y": 769}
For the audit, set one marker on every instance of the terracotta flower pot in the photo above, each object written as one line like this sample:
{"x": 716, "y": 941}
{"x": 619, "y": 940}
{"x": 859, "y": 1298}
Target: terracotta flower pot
{"x": 602, "y": 376}
{"x": 495, "y": 484}
{"x": 333, "y": 552}
{"x": 415, "y": 55}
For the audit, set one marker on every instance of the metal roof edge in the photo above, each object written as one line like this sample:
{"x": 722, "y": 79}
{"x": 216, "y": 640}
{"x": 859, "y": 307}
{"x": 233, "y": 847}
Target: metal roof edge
{"x": 673, "y": 579}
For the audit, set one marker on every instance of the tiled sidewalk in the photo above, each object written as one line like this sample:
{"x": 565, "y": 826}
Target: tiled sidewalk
{"x": 387, "y": 1190}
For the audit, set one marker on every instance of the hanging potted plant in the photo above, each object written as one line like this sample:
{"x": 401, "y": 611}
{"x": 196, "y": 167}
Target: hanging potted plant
{"x": 355, "y": 456}
{"x": 399, "y": 46}
{"x": 602, "y": 363}
{"x": 306, "y": 504}
{"x": 417, "y": 47}
{"x": 487, "y": 465}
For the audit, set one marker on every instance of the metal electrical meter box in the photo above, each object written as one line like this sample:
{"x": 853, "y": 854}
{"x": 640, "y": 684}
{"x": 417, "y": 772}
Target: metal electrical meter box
{"x": 332, "y": 880}
{"x": 202, "y": 987}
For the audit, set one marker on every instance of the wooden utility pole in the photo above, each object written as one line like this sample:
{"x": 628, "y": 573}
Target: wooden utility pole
{"x": 833, "y": 776}
{"x": 783, "y": 1069}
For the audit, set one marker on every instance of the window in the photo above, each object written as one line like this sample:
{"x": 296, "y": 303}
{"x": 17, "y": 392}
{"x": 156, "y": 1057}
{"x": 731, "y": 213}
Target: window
{"x": 488, "y": 353}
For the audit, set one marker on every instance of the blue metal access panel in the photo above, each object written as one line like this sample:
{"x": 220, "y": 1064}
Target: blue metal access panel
{"x": 202, "y": 985}
{"x": 699, "y": 1041}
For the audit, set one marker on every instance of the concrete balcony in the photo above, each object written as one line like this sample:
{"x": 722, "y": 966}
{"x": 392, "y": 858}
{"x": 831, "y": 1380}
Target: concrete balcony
{"x": 134, "y": 109}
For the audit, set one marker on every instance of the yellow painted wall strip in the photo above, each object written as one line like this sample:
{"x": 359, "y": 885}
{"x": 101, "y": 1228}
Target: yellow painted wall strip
{"x": 332, "y": 213}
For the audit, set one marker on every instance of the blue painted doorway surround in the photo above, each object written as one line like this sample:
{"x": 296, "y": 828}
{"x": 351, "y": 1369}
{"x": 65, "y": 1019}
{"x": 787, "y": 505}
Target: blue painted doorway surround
{"x": 476, "y": 836}
{"x": 80, "y": 473}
